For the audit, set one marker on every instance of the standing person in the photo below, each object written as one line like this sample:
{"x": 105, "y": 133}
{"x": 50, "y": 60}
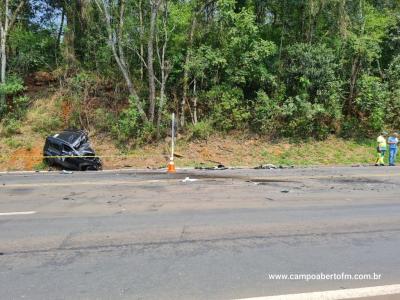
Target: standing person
{"x": 393, "y": 141}
{"x": 381, "y": 149}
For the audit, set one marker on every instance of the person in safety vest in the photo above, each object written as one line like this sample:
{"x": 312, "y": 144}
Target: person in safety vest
{"x": 381, "y": 149}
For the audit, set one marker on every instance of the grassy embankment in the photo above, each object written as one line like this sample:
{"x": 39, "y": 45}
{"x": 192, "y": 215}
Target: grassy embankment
{"x": 21, "y": 146}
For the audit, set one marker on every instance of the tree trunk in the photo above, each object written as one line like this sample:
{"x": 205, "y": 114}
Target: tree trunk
{"x": 3, "y": 103}
{"x": 195, "y": 101}
{"x": 141, "y": 39}
{"x": 165, "y": 68}
{"x": 4, "y": 31}
{"x": 3, "y": 38}
{"x": 74, "y": 36}
{"x": 154, "y": 5}
{"x": 186, "y": 70}
{"x": 69, "y": 35}
{"x": 3, "y": 56}
{"x": 161, "y": 104}
{"x": 124, "y": 66}
{"x": 5, "y": 25}
{"x": 342, "y": 19}
{"x": 353, "y": 80}
{"x": 60, "y": 30}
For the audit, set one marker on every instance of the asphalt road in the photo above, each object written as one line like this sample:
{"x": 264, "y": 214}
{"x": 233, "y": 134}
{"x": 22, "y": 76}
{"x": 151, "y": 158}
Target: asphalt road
{"x": 148, "y": 235}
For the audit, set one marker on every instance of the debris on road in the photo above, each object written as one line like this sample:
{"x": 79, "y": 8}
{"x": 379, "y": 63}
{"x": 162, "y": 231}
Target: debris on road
{"x": 220, "y": 167}
{"x": 271, "y": 167}
{"x": 188, "y": 179}
{"x": 66, "y": 172}
{"x": 286, "y": 167}
{"x": 267, "y": 167}
{"x": 217, "y": 167}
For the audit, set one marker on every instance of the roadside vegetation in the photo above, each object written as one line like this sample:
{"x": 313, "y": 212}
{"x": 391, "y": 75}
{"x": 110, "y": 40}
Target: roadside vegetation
{"x": 308, "y": 82}
{"x": 197, "y": 146}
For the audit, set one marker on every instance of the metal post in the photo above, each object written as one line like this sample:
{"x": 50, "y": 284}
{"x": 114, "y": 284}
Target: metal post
{"x": 173, "y": 137}
{"x": 171, "y": 165}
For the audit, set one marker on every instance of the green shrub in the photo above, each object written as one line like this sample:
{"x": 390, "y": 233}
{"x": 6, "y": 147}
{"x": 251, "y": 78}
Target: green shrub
{"x": 20, "y": 106}
{"x": 393, "y": 73}
{"x": 11, "y": 127}
{"x": 103, "y": 120}
{"x": 83, "y": 81}
{"x": 266, "y": 114}
{"x": 36, "y": 49}
{"x": 13, "y": 86}
{"x": 41, "y": 166}
{"x": 74, "y": 120}
{"x": 127, "y": 125}
{"x": 228, "y": 111}
{"x": 393, "y": 107}
{"x": 146, "y": 134}
{"x": 13, "y": 143}
{"x": 353, "y": 128}
{"x": 372, "y": 102}
{"x": 312, "y": 107}
{"x": 200, "y": 131}
{"x": 46, "y": 125}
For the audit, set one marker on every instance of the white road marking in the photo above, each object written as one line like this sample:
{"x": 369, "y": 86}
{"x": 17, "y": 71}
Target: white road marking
{"x": 16, "y": 213}
{"x": 337, "y": 294}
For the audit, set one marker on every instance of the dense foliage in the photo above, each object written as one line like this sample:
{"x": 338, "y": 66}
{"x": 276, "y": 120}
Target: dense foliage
{"x": 280, "y": 68}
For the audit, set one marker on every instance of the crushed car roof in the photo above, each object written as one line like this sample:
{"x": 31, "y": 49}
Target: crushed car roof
{"x": 73, "y": 137}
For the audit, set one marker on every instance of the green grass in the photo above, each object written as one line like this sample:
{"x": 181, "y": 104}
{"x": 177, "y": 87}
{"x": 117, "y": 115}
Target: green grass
{"x": 41, "y": 166}
{"x": 333, "y": 151}
{"x": 13, "y": 143}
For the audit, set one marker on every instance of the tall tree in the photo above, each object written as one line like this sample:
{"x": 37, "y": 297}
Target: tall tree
{"x": 74, "y": 35}
{"x": 7, "y": 21}
{"x": 9, "y": 11}
{"x": 113, "y": 11}
{"x": 154, "y": 8}
{"x": 164, "y": 64}
{"x": 188, "y": 57}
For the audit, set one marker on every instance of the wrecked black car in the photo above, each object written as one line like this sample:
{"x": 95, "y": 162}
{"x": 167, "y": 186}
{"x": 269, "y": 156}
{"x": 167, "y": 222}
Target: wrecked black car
{"x": 70, "y": 143}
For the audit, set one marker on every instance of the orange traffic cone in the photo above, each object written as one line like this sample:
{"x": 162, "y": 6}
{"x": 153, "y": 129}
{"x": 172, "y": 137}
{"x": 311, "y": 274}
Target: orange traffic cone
{"x": 171, "y": 167}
